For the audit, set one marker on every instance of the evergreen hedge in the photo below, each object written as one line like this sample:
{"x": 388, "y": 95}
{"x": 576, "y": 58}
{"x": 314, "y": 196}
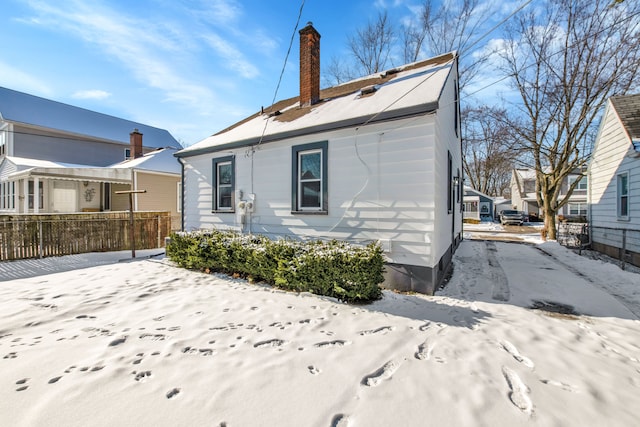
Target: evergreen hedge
{"x": 331, "y": 268}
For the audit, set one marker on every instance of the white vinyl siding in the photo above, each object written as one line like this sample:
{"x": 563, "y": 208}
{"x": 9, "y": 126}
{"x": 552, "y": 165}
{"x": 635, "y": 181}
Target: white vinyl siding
{"x": 381, "y": 189}
{"x": 612, "y": 163}
{"x": 223, "y": 184}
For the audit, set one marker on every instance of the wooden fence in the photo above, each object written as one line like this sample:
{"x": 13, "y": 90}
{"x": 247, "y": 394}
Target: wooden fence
{"x": 45, "y": 235}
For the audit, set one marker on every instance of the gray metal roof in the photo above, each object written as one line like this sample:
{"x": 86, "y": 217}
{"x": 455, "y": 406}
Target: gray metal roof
{"x": 628, "y": 109}
{"x": 28, "y": 109}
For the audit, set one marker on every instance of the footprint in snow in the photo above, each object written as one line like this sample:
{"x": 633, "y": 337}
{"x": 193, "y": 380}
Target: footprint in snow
{"x": 172, "y": 393}
{"x": 424, "y": 350}
{"x": 270, "y": 343}
{"x": 335, "y": 343}
{"x": 313, "y": 370}
{"x": 384, "y": 373}
{"x": 519, "y": 392}
{"x": 512, "y": 350}
{"x": 564, "y": 386}
{"x": 382, "y": 330}
{"x": 340, "y": 420}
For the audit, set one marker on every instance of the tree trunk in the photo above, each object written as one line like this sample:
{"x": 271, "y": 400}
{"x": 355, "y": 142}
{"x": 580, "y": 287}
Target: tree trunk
{"x": 550, "y": 221}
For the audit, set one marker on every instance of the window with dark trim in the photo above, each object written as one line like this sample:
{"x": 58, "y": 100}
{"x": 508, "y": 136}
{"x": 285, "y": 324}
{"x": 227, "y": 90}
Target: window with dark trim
{"x": 309, "y": 178}
{"x": 449, "y": 183}
{"x": 623, "y": 195}
{"x": 223, "y": 184}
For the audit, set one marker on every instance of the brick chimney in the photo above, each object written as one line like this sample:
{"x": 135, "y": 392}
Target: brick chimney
{"x": 135, "y": 139}
{"x": 309, "y": 65}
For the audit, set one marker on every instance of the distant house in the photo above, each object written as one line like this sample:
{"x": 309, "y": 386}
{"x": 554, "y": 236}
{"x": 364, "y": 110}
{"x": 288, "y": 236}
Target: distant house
{"x": 614, "y": 174}
{"x": 56, "y": 157}
{"x": 374, "y": 159}
{"x": 477, "y": 205}
{"x": 523, "y": 193}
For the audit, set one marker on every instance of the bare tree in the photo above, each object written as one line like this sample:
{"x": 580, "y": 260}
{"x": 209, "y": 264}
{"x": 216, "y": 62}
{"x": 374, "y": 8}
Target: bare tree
{"x": 370, "y": 49}
{"x": 371, "y": 46}
{"x": 565, "y": 59}
{"x": 338, "y": 72}
{"x": 487, "y": 145}
{"x": 453, "y": 25}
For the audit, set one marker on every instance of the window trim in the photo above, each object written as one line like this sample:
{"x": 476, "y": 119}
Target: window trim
{"x": 572, "y": 178}
{"x": 31, "y": 194}
{"x": 215, "y": 208}
{"x": 296, "y": 151}
{"x": 619, "y": 196}
{"x": 582, "y": 206}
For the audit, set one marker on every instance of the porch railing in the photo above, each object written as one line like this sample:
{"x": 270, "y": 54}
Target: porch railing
{"x": 45, "y": 235}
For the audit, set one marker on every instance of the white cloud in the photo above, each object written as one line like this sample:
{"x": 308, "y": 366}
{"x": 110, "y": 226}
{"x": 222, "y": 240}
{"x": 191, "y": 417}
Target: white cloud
{"x": 220, "y": 12}
{"x": 13, "y": 78}
{"x": 91, "y": 94}
{"x": 231, "y": 56}
{"x": 149, "y": 51}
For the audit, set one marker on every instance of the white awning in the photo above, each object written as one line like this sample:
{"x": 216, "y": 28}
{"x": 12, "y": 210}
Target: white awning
{"x": 120, "y": 176}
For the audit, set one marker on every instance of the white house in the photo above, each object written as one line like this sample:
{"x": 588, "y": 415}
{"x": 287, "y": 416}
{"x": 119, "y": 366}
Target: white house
{"x": 56, "y": 158}
{"x": 614, "y": 176}
{"x": 523, "y": 193}
{"x": 374, "y": 159}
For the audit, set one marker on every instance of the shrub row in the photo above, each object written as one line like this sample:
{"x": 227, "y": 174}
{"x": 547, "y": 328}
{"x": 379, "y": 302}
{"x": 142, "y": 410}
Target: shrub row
{"x": 337, "y": 269}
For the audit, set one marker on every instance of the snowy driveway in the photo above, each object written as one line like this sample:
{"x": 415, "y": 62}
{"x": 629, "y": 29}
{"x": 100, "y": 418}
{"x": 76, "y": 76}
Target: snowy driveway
{"x": 524, "y": 275}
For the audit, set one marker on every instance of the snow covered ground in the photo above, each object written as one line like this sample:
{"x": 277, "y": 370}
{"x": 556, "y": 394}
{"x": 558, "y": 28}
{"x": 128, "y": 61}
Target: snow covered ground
{"x": 143, "y": 343}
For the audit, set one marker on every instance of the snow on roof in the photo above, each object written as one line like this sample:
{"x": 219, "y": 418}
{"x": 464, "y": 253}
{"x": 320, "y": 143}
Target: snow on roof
{"x": 29, "y": 109}
{"x": 162, "y": 160}
{"x": 412, "y": 89}
{"x": 470, "y": 190}
{"x": 628, "y": 109}
{"x": 25, "y": 163}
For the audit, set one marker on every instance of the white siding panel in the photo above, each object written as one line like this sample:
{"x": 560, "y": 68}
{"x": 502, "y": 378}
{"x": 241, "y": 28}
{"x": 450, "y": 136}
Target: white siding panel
{"x": 6, "y": 169}
{"x": 380, "y": 187}
{"x": 609, "y": 159}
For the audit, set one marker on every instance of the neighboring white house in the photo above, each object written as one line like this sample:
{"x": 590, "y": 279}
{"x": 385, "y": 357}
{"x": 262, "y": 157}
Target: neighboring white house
{"x": 374, "y": 159}
{"x": 523, "y": 193}
{"x": 55, "y": 158}
{"x": 477, "y": 205}
{"x": 614, "y": 174}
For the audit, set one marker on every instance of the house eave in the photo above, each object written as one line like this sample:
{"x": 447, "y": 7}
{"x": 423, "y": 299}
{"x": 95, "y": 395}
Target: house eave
{"x": 385, "y": 116}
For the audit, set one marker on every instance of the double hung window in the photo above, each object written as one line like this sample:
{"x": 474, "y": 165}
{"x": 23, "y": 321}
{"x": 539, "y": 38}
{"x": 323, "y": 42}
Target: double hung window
{"x": 309, "y": 178}
{"x": 223, "y": 184}
{"x": 623, "y": 195}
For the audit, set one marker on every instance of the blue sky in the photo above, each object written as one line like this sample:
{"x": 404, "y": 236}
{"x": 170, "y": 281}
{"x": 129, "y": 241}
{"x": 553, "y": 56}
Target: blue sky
{"x": 193, "y": 67}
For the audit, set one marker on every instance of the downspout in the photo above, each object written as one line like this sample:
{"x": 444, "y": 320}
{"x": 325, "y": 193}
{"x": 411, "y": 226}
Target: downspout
{"x": 181, "y": 193}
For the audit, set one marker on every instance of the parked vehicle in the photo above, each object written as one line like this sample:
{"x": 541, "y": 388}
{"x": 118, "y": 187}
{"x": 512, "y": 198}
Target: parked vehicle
{"x": 511, "y": 217}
